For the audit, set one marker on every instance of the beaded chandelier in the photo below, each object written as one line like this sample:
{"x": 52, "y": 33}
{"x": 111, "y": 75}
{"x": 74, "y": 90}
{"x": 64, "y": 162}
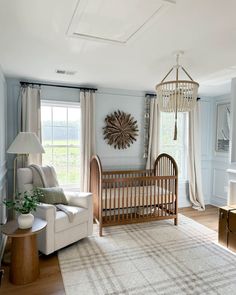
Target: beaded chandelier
{"x": 177, "y": 95}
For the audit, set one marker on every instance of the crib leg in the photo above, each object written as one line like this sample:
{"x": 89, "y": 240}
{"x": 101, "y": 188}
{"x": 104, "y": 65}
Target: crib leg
{"x": 100, "y": 230}
{"x": 176, "y": 221}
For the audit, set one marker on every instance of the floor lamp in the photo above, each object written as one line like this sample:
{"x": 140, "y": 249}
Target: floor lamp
{"x": 24, "y": 144}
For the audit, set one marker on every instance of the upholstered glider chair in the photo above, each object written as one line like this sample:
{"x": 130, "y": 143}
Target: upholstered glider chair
{"x": 60, "y": 231}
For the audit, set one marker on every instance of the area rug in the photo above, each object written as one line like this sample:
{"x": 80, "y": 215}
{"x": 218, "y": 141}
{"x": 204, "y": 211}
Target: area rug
{"x": 149, "y": 258}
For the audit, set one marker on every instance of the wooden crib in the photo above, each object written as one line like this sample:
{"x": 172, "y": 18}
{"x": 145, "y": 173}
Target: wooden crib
{"x": 132, "y": 196}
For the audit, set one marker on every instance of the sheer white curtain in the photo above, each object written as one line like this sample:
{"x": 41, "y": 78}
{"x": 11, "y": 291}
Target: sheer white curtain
{"x": 154, "y": 133}
{"x": 30, "y": 116}
{"x": 87, "y": 104}
{"x": 194, "y": 160}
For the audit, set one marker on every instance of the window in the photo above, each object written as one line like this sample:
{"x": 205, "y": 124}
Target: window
{"x": 61, "y": 140}
{"x": 176, "y": 148}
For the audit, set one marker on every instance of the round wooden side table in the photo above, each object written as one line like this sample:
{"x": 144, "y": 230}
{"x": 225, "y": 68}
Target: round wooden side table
{"x": 24, "y": 266}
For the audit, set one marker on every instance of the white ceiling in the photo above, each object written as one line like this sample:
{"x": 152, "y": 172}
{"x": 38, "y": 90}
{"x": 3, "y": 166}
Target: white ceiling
{"x": 99, "y": 21}
{"x": 37, "y": 37}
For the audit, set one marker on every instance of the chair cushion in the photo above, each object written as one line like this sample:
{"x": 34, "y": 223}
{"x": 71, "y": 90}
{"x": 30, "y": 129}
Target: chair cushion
{"x": 62, "y": 221}
{"x": 24, "y": 180}
{"x": 52, "y": 195}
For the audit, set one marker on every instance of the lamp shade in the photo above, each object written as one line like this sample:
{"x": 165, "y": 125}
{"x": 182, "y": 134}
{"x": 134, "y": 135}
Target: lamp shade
{"x": 26, "y": 143}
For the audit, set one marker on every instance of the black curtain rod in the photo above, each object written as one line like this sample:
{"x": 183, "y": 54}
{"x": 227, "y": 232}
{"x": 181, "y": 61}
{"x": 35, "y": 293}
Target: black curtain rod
{"x": 55, "y": 85}
{"x": 150, "y": 94}
{"x": 154, "y": 95}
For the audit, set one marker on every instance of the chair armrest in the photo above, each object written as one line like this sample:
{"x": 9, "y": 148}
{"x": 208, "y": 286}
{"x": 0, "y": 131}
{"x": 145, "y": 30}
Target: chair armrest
{"x": 45, "y": 211}
{"x": 83, "y": 200}
{"x": 46, "y": 241}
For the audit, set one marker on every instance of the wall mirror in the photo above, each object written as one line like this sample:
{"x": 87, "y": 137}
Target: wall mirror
{"x": 222, "y": 127}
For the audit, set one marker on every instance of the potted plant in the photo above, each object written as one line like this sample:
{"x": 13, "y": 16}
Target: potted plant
{"x": 24, "y": 204}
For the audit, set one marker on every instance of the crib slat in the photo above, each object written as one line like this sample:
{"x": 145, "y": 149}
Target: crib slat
{"x": 135, "y": 199}
{"x": 114, "y": 200}
{"x": 146, "y": 197}
{"x": 162, "y": 194}
{"x": 131, "y": 212}
{"x": 155, "y": 197}
{"x": 109, "y": 190}
{"x": 123, "y": 204}
{"x": 169, "y": 188}
{"x": 127, "y": 199}
{"x": 139, "y": 200}
{"x": 150, "y": 186}
{"x": 165, "y": 184}
{"x": 118, "y": 202}
{"x": 172, "y": 197}
{"x": 106, "y": 202}
{"x": 158, "y": 197}
{"x": 142, "y": 189}
{"x": 168, "y": 198}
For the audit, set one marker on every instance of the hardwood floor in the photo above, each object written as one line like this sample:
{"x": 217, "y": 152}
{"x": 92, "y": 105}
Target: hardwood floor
{"x": 50, "y": 280}
{"x": 209, "y": 217}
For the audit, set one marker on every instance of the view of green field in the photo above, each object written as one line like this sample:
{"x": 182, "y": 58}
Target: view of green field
{"x": 64, "y": 158}
{"x": 60, "y": 138}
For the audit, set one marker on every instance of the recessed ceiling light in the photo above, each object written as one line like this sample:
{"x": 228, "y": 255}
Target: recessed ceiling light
{"x": 65, "y": 72}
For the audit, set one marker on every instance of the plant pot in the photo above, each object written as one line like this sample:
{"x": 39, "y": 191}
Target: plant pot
{"x": 25, "y": 220}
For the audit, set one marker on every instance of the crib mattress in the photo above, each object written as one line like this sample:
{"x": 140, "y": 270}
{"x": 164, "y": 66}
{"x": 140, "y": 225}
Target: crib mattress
{"x": 135, "y": 196}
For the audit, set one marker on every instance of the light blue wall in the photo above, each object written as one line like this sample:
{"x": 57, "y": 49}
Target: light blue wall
{"x": 206, "y": 122}
{"x": 110, "y": 100}
{"x": 60, "y": 94}
{"x": 3, "y": 170}
{"x": 214, "y": 164}
{"x": 220, "y": 161}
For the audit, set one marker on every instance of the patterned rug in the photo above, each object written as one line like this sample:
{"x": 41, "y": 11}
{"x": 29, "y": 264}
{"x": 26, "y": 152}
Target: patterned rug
{"x": 149, "y": 258}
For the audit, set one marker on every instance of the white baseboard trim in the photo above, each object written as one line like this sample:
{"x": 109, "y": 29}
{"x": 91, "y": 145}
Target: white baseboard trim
{"x": 218, "y": 202}
{"x": 183, "y": 204}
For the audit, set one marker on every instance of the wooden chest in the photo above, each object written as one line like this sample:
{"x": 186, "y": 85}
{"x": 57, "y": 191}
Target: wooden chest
{"x": 227, "y": 227}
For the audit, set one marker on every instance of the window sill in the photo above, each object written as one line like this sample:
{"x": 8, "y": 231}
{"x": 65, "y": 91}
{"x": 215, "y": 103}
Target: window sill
{"x": 72, "y": 188}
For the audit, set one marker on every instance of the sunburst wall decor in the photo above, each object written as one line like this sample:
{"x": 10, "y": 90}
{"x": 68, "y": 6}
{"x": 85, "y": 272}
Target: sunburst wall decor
{"x": 121, "y": 130}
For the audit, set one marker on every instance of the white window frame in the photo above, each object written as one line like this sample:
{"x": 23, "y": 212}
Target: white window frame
{"x": 184, "y": 145}
{"x": 55, "y": 103}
